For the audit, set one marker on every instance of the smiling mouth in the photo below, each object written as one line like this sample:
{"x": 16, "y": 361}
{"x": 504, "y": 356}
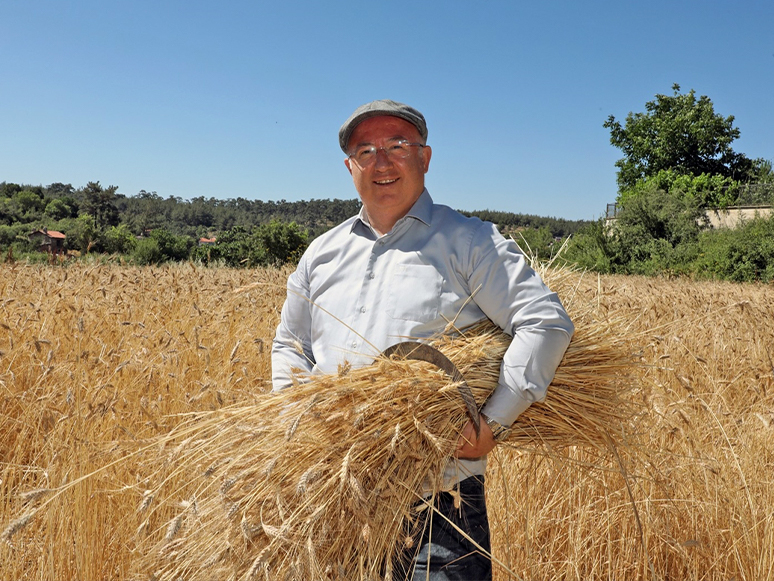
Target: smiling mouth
{"x": 385, "y": 182}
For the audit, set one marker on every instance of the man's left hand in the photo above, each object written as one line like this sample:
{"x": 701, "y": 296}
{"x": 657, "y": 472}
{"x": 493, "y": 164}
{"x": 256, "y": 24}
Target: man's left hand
{"x": 470, "y": 446}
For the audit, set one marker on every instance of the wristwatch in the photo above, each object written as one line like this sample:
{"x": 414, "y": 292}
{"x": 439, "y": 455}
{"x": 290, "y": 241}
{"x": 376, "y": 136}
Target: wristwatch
{"x": 499, "y": 431}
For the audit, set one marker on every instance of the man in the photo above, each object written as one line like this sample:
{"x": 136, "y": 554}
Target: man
{"x": 405, "y": 267}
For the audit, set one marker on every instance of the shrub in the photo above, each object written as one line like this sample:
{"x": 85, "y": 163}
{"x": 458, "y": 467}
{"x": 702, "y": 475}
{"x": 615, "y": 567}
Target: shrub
{"x": 536, "y": 242}
{"x": 119, "y": 240}
{"x": 16, "y": 234}
{"x": 655, "y": 232}
{"x": 147, "y": 251}
{"x": 591, "y": 248}
{"x": 283, "y": 242}
{"x": 172, "y": 247}
{"x": 274, "y": 243}
{"x": 744, "y": 254}
{"x": 81, "y": 234}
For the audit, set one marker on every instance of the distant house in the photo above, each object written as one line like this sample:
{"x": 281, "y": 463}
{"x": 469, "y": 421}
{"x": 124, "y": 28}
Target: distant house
{"x": 206, "y": 241}
{"x": 47, "y": 240}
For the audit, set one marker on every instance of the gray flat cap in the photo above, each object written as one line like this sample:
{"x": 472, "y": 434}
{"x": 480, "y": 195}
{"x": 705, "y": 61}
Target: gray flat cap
{"x": 377, "y": 108}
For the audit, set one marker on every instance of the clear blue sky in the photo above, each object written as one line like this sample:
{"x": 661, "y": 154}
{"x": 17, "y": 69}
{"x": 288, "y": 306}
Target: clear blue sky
{"x": 244, "y": 98}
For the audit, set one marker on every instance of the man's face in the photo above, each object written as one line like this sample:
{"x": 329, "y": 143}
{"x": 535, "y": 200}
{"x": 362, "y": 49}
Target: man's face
{"x": 389, "y": 186}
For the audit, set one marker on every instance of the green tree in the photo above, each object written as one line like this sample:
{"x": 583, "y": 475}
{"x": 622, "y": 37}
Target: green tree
{"x": 7, "y": 235}
{"x": 283, "y": 242}
{"x": 592, "y": 248}
{"x": 269, "y": 244}
{"x": 149, "y": 213}
{"x": 162, "y": 246}
{"x": 147, "y": 252}
{"x": 655, "y": 232}
{"x": 536, "y": 242}
{"x": 99, "y": 203}
{"x": 119, "y": 240}
{"x": 8, "y": 189}
{"x": 14, "y": 235}
{"x": 764, "y": 172}
{"x": 30, "y": 204}
{"x": 59, "y": 190}
{"x": 81, "y": 233}
{"x": 9, "y": 211}
{"x": 235, "y": 247}
{"x": 61, "y": 208}
{"x": 172, "y": 247}
{"x": 679, "y": 133}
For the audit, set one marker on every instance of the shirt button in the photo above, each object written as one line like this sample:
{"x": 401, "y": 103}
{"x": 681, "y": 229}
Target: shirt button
{"x": 362, "y": 309}
{"x": 354, "y": 344}
{"x": 372, "y": 276}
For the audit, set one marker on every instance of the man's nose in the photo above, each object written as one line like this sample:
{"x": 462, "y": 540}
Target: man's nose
{"x": 382, "y": 159}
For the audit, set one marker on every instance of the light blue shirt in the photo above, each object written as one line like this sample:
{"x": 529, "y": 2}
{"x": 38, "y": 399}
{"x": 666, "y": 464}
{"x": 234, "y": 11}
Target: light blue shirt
{"x": 355, "y": 293}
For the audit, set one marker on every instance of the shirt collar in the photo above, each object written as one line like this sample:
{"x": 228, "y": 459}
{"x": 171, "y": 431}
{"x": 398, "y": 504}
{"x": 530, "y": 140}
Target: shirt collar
{"x": 422, "y": 210}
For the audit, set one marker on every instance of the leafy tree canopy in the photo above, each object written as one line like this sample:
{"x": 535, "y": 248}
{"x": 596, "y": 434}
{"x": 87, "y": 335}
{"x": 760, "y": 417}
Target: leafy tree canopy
{"x": 683, "y": 134}
{"x": 707, "y": 191}
{"x": 274, "y": 243}
{"x": 99, "y": 203}
{"x": 60, "y": 208}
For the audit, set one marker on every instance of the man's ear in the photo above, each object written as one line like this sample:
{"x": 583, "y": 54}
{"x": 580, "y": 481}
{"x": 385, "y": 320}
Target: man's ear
{"x": 427, "y": 153}
{"x": 347, "y": 162}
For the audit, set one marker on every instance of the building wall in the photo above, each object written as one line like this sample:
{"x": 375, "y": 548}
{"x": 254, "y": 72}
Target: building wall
{"x": 728, "y": 218}
{"x": 733, "y": 217}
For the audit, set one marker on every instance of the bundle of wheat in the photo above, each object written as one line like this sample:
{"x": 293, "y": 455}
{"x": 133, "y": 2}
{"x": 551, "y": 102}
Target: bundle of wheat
{"x": 324, "y": 480}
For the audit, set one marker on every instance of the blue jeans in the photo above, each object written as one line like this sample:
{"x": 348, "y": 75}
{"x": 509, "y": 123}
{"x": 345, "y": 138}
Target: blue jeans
{"x": 443, "y": 550}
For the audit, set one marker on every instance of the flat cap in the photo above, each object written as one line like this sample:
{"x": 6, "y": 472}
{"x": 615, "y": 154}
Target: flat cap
{"x": 377, "y": 108}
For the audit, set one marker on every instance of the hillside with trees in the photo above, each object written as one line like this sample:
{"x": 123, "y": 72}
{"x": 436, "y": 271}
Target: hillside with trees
{"x": 147, "y": 228}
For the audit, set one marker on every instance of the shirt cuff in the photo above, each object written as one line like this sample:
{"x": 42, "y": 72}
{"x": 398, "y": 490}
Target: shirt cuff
{"x": 505, "y": 405}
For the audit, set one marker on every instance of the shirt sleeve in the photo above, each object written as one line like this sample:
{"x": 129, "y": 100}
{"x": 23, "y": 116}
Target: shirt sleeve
{"x": 291, "y": 352}
{"x": 514, "y": 297}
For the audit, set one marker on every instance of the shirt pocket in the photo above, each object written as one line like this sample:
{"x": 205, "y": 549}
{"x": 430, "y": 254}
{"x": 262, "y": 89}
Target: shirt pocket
{"x": 415, "y": 293}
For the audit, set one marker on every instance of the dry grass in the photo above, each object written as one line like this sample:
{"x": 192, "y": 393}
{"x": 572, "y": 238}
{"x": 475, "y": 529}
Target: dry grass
{"x": 100, "y": 364}
{"x": 699, "y": 465}
{"x": 95, "y": 361}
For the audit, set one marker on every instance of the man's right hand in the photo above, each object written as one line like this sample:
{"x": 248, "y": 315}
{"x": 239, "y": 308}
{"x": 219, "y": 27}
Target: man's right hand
{"x": 469, "y": 446}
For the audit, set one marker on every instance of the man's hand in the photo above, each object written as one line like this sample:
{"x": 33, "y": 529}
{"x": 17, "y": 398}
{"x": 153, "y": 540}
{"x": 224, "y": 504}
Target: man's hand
{"x": 468, "y": 446}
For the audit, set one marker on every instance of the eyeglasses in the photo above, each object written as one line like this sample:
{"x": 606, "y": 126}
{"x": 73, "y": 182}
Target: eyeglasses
{"x": 366, "y": 155}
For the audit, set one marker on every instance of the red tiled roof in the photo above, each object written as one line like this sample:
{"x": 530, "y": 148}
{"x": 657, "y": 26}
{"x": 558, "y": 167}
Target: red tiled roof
{"x": 49, "y": 233}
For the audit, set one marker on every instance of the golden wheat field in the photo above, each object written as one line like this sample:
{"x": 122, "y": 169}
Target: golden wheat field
{"x": 99, "y": 363}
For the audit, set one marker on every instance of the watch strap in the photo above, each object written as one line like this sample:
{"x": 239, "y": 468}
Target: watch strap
{"x": 499, "y": 431}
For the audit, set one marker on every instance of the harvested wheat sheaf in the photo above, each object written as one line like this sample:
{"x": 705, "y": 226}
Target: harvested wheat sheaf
{"x": 322, "y": 480}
